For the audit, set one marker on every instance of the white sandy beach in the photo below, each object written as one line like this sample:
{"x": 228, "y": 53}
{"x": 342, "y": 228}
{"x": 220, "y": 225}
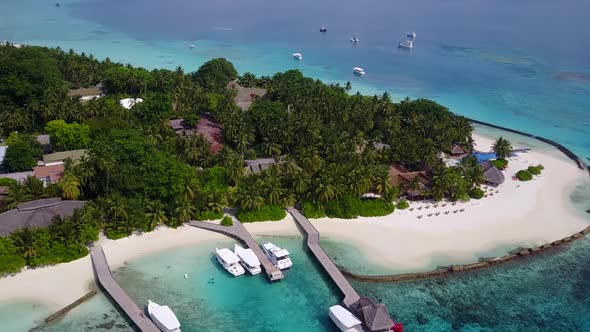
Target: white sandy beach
{"x": 59, "y": 285}
{"x": 519, "y": 214}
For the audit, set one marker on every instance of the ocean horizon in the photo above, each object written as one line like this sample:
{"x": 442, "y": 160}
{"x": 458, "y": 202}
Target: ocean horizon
{"x": 497, "y": 62}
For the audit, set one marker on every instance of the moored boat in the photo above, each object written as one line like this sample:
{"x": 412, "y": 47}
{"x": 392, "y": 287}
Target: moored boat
{"x": 344, "y": 319}
{"x": 358, "y": 71}
{"x": 163, "y": 317}
{"x": 411, "y": 34}
{"x": 298, "y": 56}
{"x": 406, "y": 44}
{"x": 229, "y": 261}
{"x": 248, "y": 259}
{"x": 354, "y": 39}
{"x": 279, "y": 257}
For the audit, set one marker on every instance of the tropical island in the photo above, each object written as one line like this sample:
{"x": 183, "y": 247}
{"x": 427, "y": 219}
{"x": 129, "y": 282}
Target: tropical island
{"x": 103, "y": 152}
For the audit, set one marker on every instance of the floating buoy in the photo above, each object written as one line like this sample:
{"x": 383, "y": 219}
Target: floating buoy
{"x": 185, "y": 276}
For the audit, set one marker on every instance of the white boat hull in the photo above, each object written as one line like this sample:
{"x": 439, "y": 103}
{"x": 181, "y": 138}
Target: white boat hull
{"x": 152, "y": 306}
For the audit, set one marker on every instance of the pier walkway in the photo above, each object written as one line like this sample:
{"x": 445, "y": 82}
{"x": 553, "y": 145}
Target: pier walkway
{"x": 104, "y": 277}
{"x": 238, "y": 231}
{"x": 313, "y": 243}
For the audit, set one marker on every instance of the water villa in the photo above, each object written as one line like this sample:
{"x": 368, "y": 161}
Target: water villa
{"x": 36, "y": 214}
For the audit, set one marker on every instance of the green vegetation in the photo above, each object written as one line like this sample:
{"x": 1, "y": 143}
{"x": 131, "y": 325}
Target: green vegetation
{"x": 140, "y": 174}
{"x": 534, "y": 170}
{"x": 208, "y": 215}
{"x": 350, "y": 207}
{"x": 499, "y": 163}
{"x": 227, "y": 221}
{"x": 264, "y": 213}
{"x": 402, "y": 205}
{"x": 311, "y": 210}
{"x": 502, "y": 147}
{"x": 65, "y": 240}
{"x": 22, "y": 153}
{"x": 66, "y": 136}
{"x": 476, "y": 193}
{"x": 524, "y": 175}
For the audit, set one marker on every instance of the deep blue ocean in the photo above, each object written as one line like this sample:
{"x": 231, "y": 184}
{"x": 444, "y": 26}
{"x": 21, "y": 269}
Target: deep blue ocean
{"x": 522, "y": 64}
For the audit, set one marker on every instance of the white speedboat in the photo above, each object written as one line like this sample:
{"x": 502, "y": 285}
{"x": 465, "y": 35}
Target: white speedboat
{"x": 324, "y": 28}
{"x": 163, "y": 317}
{"x": 406, "y": 44}
{"x": 298, "y": 56}
{"x": 354, "y": 39}
{"x": 411, "y": 35}
{"x": 229, "y": 261}
{"x": 248, "y": 259}
{"x": 344, "y": 319}
{"x": 358, "y": 71}
{"x": 279, "y": 257}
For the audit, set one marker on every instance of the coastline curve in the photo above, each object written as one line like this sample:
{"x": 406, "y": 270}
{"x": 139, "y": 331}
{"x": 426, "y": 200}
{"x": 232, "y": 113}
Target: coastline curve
{"x": 520, "y": 252}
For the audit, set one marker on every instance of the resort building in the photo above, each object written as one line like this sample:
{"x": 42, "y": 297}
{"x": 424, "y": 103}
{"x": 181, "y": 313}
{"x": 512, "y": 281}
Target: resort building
{"x": 492, "y": 175}
{"x": 458, "y": 151}
{"x": 18, "y": 176}
{"x": 207, "y": 127}
{"x": 128, "y": 103}
{"x": 45, "y": 142}
{"x": 49, "y": 174}
{"x": 374, "y": 315}
{"x": 36, "y": 214}
{"x": 256, "y": 166}
{"x": 59, "y": 158}
{"x": 414, "y": 185}
{"x": 86, "y": 94}
{"x": 245, "y": 96}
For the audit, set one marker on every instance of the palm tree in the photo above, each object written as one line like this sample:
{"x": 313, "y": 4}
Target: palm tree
{"x": 502, "y": 148}
{"x": 24, "y": 240}
{"x": 70, "y": 186}
{"x": 382, "y": 183}
{"x": 249, "y": 199}
{"x": 272, "y": 149}
{"x": 185, "y": 211}
{"x": 33, "y": 186}
{"x": 155, "y": 215}
{"x": 107, "y": 166}
{"x": 17, "y": 193}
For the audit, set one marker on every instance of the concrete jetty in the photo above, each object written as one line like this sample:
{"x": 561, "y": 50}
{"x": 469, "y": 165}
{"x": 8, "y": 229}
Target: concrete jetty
{"x": 239, "y": 232}
{"x": 104, "y": 277}
{"x": 313, "y": 243}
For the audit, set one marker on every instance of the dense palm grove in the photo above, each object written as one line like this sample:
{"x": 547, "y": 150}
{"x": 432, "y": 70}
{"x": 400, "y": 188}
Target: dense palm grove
{"x": 140, "y": 173}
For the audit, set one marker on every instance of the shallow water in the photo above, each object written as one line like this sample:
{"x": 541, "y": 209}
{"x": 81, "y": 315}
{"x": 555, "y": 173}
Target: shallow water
{"x": 212, "y": 300}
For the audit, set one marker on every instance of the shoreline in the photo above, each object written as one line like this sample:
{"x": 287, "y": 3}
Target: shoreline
{"x": 375, "y": 239}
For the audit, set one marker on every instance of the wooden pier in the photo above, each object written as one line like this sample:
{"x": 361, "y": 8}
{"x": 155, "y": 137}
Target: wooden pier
{"x": 104, "y": 277}
{"x": 313, "y": 243}
{"x": 238, "y": 231}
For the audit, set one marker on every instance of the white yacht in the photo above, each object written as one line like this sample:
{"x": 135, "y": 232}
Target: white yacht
{"x": 248, "y": 259}
{"x": 279, "y": 257}
{"x": 406, "y": 44}
{"x": 229, "y": 261}
{"x": 324, "y": 28}
{"x": 354, "y": 39}
{"x": 411, "y": 35}
{"x": 358, "y": 71}
{"x": 298, "y": 56}
{"x": 163, "y": 317}
{"x": 344, "y": 319}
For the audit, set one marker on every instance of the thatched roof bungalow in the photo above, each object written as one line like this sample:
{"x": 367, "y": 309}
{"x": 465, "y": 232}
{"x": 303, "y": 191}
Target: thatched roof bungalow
{"x": 492, "y": 175}
{"x": 374, "y": 315}
{"x": 402, "y": 177}
{"x": 36, "y": 214}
